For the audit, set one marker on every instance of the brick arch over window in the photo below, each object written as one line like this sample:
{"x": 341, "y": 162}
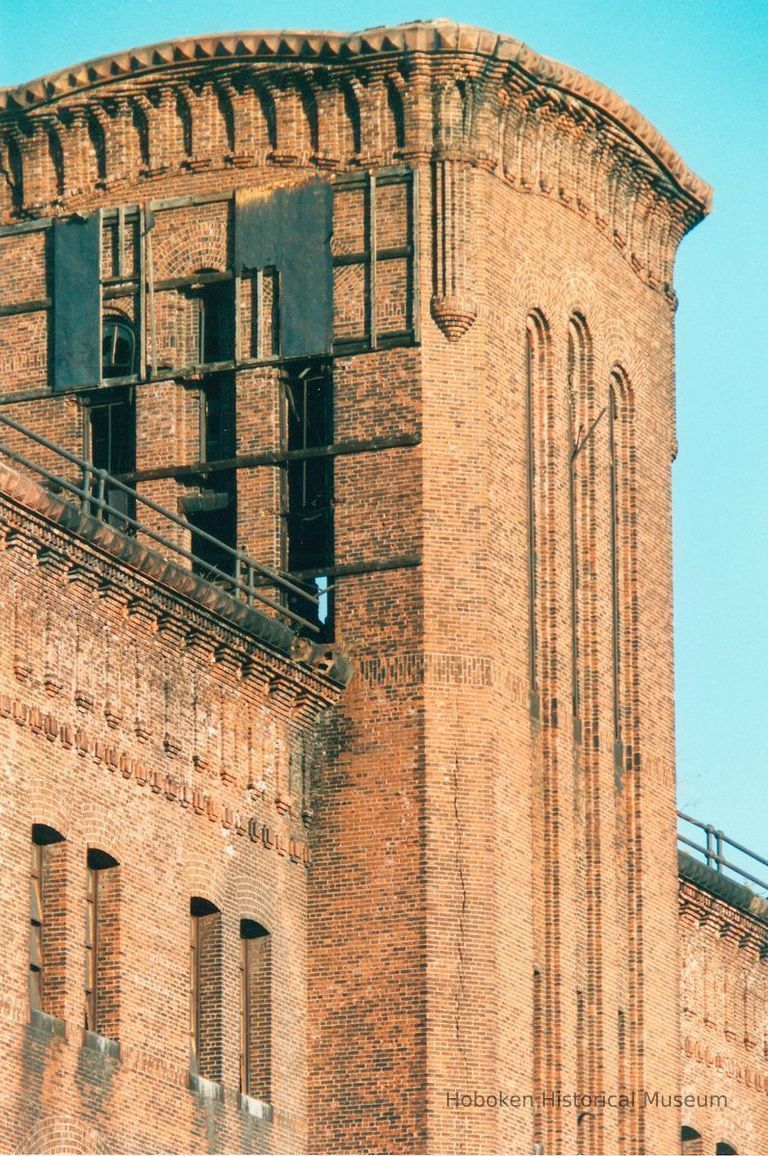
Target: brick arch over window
{"x": 192, "y": 248}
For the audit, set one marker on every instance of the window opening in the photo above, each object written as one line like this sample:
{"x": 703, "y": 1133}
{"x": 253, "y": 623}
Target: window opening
{"x": 309, "y": 485}
{"x": 118, "y": 348}
{"x": 216, "y": 322}
{"x": 217, "y": 418}
{"x": 112, "y": 436}
{"x": 692, "y": 1143}
{"x": 96, "y": 863}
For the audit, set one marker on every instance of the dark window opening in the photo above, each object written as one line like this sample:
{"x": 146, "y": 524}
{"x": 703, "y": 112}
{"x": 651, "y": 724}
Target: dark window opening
{"x": 118, "y": 348}
{"x": 216, "y": 322}
{"x": 214, "y": 512}
{"x": 723, "y": 1148}
{"x": 692, "y": 1143}
{"x": 309, "y": 489}
{"x": 217, "y": 418}
{"x": 112, "y": 438}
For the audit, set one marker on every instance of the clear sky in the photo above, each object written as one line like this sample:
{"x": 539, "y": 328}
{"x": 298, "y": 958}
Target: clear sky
{"x": 698, "y": 70}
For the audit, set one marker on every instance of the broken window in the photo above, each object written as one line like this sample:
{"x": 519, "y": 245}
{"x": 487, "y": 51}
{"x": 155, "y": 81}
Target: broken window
{"x": 216, "y": 322}
{"x": 111, "y": 437}
{"x": 217, "y": 417}
{"x": 309, "y": 485}
{"x": 213, "y": 512}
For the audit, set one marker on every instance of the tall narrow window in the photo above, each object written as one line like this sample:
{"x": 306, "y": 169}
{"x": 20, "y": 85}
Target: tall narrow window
{"x": 45, "y": 893}
{"x": 205, "y": 1007}
{"x": 583, "y": 422}
{"x": 101, "y": 943}
{"x": 309, "y": 486}
{"x": 111, "y": 437}
{"x": 255, "y": 1009}
{"x": 214, "y": 510}
{"x": 216, "y": 322}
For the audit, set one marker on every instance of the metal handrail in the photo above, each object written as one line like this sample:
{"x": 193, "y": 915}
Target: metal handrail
{"x": 99, "y": 506}
{"x": 713, "y": 854}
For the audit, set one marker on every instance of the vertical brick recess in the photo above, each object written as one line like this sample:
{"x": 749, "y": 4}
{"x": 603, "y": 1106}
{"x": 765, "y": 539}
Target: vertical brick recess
{"x": 464, "y": 854}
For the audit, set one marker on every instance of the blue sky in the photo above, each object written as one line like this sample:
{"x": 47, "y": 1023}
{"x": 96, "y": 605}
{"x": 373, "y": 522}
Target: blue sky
{"x": 697, "y": 69}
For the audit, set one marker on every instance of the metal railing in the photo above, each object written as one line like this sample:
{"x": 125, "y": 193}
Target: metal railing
{"x": 92, "y": 494}
{"x": 713, "y": 851}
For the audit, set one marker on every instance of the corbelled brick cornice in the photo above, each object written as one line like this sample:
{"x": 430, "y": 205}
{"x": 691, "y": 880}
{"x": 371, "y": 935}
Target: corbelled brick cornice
{"x": 432, "y": 91}
{"x": 438, "y": 36}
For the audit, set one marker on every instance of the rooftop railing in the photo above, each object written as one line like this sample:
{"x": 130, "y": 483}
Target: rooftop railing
{"x": 106, "y": 498}
{"x": 713, "y": 846}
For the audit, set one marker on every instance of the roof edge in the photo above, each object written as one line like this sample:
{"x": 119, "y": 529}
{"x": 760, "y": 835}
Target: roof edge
{"x": 433, "y": 36}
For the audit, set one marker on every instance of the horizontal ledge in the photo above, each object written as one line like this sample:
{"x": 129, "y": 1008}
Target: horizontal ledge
{"x": 25, "y": 307}
{"x": 274, "y": 458}
{"x": 349, "y": 569}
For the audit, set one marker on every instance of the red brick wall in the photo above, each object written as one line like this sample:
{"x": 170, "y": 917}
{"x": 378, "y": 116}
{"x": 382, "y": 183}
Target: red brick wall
{"x": 491, "y": 903}
{"x": 176, "y": 780}
{"x": 725, "y": 1035}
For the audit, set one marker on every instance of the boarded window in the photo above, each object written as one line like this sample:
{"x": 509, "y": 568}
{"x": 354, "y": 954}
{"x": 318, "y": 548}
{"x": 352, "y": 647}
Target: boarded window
{"x": 47, "y": 920}
{"x": 205, "y": 995}
{"x": 255, "y": 1010}
{"x": 101, "y": 944}
{"x": 76, "y": 302}
{"x": 289, "y": 230}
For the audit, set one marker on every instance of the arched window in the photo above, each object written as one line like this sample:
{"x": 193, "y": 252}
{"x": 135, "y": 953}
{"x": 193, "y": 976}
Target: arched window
{"x": 118, "y": 347}
{"x": 205, "y": 995}
{"x": 46, "y": 917}
{"x": 691, "y": 1143}
{"x": 255, "y": 1010}
{"x": 723, "y": 1148}
{"x": 102, "y": 943}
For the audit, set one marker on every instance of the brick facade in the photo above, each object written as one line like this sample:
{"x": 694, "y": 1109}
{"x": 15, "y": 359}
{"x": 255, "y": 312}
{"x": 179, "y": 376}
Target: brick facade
{"x": 466, "y": 863}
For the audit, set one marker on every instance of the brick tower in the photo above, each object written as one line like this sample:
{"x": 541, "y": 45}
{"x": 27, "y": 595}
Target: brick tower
{"x": 385, "y": 320}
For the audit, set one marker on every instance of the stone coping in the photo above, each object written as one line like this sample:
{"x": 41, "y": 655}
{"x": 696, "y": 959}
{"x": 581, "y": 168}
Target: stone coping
{"x": 736, "y": 894}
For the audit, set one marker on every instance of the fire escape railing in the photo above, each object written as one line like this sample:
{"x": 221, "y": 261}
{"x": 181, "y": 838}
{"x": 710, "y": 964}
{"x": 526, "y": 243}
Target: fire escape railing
{"x": 92, "y": 494}
{"x": 713, "y": 851}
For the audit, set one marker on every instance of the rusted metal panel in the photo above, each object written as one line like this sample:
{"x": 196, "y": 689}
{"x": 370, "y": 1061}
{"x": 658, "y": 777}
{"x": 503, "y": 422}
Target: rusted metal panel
{"x": 290, "y": 230}
{"x": 76, "y": 302}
